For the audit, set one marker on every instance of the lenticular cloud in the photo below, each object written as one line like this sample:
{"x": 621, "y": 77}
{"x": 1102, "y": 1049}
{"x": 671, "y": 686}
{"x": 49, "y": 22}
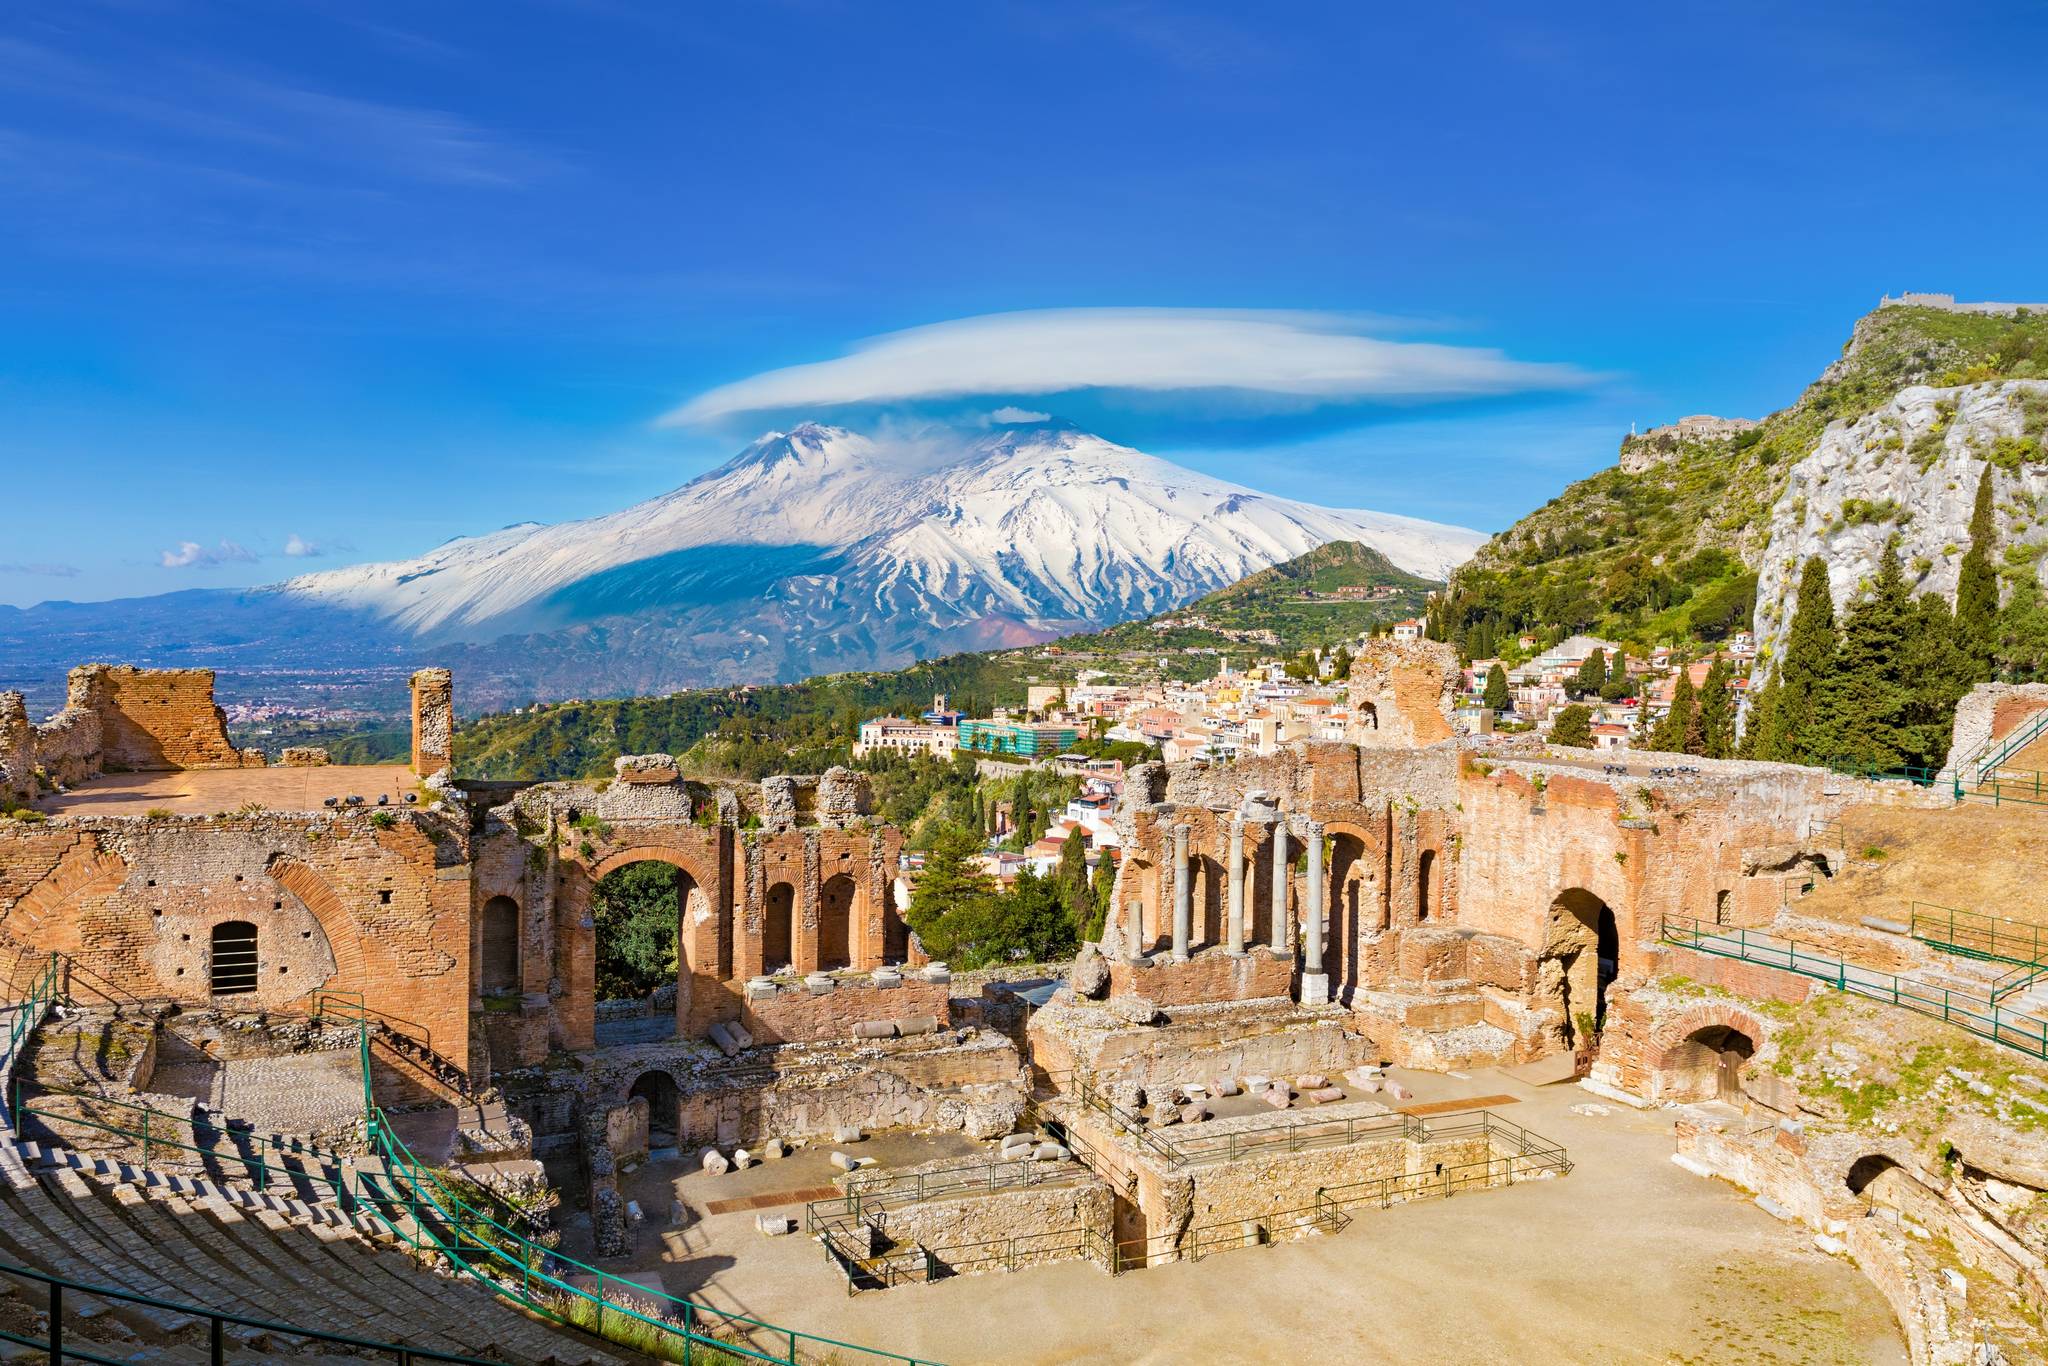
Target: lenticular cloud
{"x": 1293, "y": 356}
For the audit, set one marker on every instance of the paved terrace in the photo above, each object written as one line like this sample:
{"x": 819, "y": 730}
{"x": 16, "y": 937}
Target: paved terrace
{"x": 210, "y": 791}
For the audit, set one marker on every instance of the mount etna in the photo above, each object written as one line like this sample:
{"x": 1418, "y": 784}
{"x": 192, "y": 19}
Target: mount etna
{"x": 815, "y": 550}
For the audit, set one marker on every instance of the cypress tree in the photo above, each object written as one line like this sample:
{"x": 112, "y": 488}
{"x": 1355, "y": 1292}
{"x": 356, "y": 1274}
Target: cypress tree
{"x": 1617, "y": 685}
{"x": 1592, "y": 676}
{"x": 1497, "y": 689}
{"x": 1761, "y": 721}
{"x": 1862, "y": 709}
{"x": 1809, "y": 653}
{"x": 1101, "y": 891}
{"x": 2023, "y": 632}
{"x": 1716, "y": 714}
{"x": 1072, "y": 875}
{"x": 1681, "y": 723}
{"x": 1976, "y": 623}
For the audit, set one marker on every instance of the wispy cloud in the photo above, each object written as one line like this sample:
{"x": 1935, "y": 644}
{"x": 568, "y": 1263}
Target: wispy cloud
{"x": 193, "y": 555}
{"x": 1292, "y": 359}
{"x": 298, "y": 547}
{"x": 42, "y": 571}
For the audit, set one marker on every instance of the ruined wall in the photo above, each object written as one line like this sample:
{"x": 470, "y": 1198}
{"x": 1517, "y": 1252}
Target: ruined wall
{"x": 1257, "y": 975}
{"x": 1989, "y": 713}
{"x": 67, "y": 746}
{"x": 1196, "y": 1044}
{"x": 1402, "y": 693}
{"x": 796, "y": 1013}
{"x": 153, "y": 719}
{"x": 433, "y": 723}
{"x": 338, "y": 904}
{"x": 17, "y": 750}
{"x": 1029, "y": 1221}
{"x": 1265, "y": 1184}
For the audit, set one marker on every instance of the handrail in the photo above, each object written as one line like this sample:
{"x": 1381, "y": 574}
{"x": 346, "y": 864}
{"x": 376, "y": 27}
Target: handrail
{"x": 259, "y": 1167}
{"x": 511, "y": 1251}
{"x": 217, "y": 1320}
{"x": 29, "y": 1010}
{"x": 1978, "y": 1015}
{"x": 2020, "y": 738}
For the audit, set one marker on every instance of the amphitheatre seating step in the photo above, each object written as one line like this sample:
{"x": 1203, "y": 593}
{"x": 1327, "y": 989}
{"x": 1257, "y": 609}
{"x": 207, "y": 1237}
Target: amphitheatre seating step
{"x": 253, "y": 1261}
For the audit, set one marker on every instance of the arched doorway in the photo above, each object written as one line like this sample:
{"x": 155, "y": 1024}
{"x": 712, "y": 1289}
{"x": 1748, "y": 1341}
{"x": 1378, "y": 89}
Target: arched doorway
{"x": 777, "y": 928}
{"x": 231, "y": 967}
{"x": 498, "y": 953}
{"x": 837, "y": 933}
{"x": 1878, "y": 1180}
{"x": 664, "y": 1107}
{"x": 637, "y": 912}
{"x": 1580, "y": 960}
{"x": 1708, "y": 1065}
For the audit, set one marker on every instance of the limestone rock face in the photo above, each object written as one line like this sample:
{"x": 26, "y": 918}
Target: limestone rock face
{"x": 1911, "y": 469}
{"x": 1402, "y": 693}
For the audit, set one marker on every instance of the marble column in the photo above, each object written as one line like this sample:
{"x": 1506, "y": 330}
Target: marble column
{"x": 1236, "y": 944}
{"x": 1183, "y": 896}
{"x": 1280, "y": 886}
{"x": 1315, "y": 983}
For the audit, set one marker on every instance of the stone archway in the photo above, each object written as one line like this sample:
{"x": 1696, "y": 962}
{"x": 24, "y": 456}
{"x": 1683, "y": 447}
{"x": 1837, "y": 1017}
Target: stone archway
{"x": 1579, "y": 962}
{"x": 640, "y": 911}
{"x": 664, "y": 1106}
{"x": 1703, "y": 1053}
{"x": 1875, "y": 1178}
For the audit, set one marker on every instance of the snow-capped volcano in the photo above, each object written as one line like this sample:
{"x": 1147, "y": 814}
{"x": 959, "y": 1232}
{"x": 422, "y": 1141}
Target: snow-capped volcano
{"x": 1041, "y": 527}
{"x": 812, "y": 551}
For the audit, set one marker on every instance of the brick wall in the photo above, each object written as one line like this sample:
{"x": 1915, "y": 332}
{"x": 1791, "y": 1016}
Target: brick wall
{"x": 152, "y": 719}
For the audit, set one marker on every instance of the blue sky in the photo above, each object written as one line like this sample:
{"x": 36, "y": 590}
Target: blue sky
{"x": 347, "y": 279}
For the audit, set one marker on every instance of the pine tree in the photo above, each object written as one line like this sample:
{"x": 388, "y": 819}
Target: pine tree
{"x": 1809, "y": 654}
{"x": 1340, "y": 663}
{"x": 1716, "y": 713}
{"x": 1680, "y": 724}
{"x": 1497, "y": 689}
{"x": 1976, "y": 622}
{"x": 951, "y": 883}
{"x": 1861, "y": 710}
{"x": 2023, "y": 632}
{"x": 1573, "y": 726}
{"x": 1761, "y": 721}
{"x": 1592, "y": 676}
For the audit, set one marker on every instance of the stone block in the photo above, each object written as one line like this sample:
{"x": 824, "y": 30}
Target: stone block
{"x": 714, "y": 1162}
{"x": 761, "y": 988}
{"x": 1050, "y": 1152}
{"x": 742, "y": 1159}
{"x": 818, "y": 984}
{"x": 848, "y": 1133}
{"x": 646, "y": 768}
{"x": 1324, "y": 1095}
{"x": 1226, "y": 1086}
{"x": 723, "y": 1037}
{"x": 937, "y": 972}
{"x": 1089, "y": 978}
{"x": 774, "y": 1225}
{"x": 874, "y": 1029}
{"x": 844, "y": 1162}
{"x": 910, "y": 1026}
{"x": 1193, "y": 1113}
{"x": 1133, "y": 1009}
{"x": 1165, "y": 1114}
{"x": 1254, "y": 1082}
{"x": 887, "y": 979}
{"x": 1312, "y": 1082}
{"x": 772, "y": 1150}
{"x": 302, "y": 756}
{"x": 1396, "y": 1091}
{"x": 739, "y": 1034}
{"x": 1276, "y": 1097}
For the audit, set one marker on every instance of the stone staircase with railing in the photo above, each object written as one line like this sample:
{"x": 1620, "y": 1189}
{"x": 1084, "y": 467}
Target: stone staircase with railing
{"x": 202, "y": 1244}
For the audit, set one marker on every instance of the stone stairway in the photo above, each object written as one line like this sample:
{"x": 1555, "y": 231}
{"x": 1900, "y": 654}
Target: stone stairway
{"x": 203, "y": 1249}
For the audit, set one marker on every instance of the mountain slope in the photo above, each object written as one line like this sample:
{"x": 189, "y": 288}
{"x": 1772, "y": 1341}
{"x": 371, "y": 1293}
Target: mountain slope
{"x": 815, "y": 551}
{"x": 1668, "y": 545}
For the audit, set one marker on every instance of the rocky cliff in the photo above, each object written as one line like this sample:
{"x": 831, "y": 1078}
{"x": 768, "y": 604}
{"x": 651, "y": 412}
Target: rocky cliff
{"x": 1910, "y": 469}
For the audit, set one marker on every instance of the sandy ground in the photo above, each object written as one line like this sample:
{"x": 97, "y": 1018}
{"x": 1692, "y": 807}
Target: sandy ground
{"x": 1629, "y": 1259}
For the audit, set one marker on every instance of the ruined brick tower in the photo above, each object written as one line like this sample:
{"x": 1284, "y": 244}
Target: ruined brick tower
{"x": 433, "y": 722}
{"x": 1401, "y": 693}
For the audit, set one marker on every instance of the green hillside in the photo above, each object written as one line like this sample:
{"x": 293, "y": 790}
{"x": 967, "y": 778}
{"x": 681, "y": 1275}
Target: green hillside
{"x": 1667, "y": 554}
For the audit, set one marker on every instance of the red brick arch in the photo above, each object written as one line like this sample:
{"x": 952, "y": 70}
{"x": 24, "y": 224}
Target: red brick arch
{"x": 1668, "y": 1038}
{"x": 653, "y": 853}
{"x": 83, "y": 871}
{"x": 344, "y": 937}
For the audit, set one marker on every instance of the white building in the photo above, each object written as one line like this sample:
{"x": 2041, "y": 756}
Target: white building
{"x": 898, "y": 735}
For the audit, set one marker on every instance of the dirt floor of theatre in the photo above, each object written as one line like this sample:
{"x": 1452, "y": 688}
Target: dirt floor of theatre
{"x": 1628, "y": 1259}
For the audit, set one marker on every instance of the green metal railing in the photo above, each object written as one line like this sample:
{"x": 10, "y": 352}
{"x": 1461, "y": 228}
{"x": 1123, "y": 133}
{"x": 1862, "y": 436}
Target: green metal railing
{"x": 58, "y": 1350}
{"x": 260, "y": 1159}
{"x": 29, "y": 1011}
{"x": 1989, "y": 938}
{"x": 419, "y": 1208}
{"x": 2027, "y": 787}
{"x": 1994, "y": 753}
{"x": 1979, "y": 1015}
